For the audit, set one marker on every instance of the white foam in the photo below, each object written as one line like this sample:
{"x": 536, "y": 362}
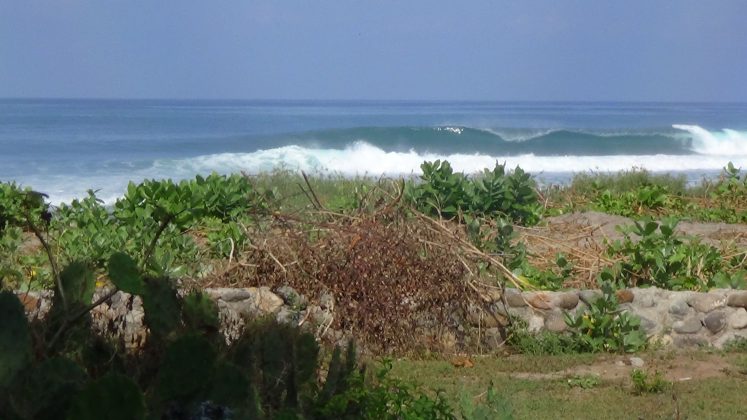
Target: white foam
{"x": 726, "y": 142}
{"x": 362, "y": 158}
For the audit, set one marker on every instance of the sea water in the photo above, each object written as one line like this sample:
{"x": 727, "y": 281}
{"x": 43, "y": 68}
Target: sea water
{"x": 65, "y": 147}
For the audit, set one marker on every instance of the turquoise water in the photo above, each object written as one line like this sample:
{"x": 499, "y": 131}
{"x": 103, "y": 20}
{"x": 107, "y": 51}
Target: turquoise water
{"x": 63, "y": 147}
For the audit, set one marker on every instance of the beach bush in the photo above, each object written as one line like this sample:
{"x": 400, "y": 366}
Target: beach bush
{"x": 603, "y": 327}
{"x": 157, "y": 222}
{"x": 643, "y": 383}
{"x": 652, "y": 254}
{"x": 499, "y": 238}
{"x": 492, "y": 194}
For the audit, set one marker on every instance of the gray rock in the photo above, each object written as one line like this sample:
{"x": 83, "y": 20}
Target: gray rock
{"x": 729, "y": 337}
{"x": 705, "y": 302}
{"x": 648, "y": 326}
{"x": 589, "y": 296}
{"x": 555, "y": 322}
{"x": 636, "y": 362}
{"x": 688, "y": 326}
{"x": 318, "y": 316}
{"x": 232, "y": 295}
{"x": 267, "y": 302}
{"x": 498, "y": 308}
{"x": 679, "y": 308}
{"x": 287, "y": 315}
{"x": 477, "y": 316}
{"x": 738, "y": 320}
{"x": 565, "y": 300}
{"x": 535, "y": 323}
{"x": 290, "y": 296}
{"x": 644, "y": 301}
{"x": 539, "y": 300}
{"x": 715, "y": 321}
{"x": 738, "y": 299}
{"x": 689, "y": 341}
{"x": 514, "y": 298}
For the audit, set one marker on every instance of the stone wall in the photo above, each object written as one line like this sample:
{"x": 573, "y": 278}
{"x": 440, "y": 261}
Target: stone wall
{"x": 675, "y": 319}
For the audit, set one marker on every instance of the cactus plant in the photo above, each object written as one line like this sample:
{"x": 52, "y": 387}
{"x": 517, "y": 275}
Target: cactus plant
{"x": 200, "y": 313}
{"x": 125, "y": 275}
{"x": 162, "y": 308}
{"x": 15, "y": 343}
{"x": 186, "y": 369}
{"x": 114, "y": 396}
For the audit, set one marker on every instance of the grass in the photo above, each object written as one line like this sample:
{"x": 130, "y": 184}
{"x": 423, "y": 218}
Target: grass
{"x": 335, "y": 192}
{"x": 547, "y": 396}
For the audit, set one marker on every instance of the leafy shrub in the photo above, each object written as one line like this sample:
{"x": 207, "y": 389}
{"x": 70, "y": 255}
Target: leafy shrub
{"x": 643, "y": 384}
{"x": 499, "y": 238}
{"x": 646, "y": 199}
{"x": 492, "y": 194}
{"x": 155, "y": 222}
{"x": 442, "y": 192}
{"x": 660, "y": 258}
{"x": 603, "y": 327}
{"x": 186, "y": 370}
{"x": 583, "y": 381}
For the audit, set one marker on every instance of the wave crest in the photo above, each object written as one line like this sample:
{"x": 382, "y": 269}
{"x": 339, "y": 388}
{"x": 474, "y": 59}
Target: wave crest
{"x": 724, "y": 143}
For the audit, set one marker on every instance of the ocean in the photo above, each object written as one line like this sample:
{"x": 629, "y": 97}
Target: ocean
{"x": 65, "y": 147}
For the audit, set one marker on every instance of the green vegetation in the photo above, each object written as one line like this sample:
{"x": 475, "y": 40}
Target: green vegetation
{"x": 214, "y": 218}
{"x": 651, "y": 253}
{"x": 543, "y": 343}
{"x": 161, "y": 231}
{"x": 58, "y": 367}
{"x": 492, "y": 194}
{"x": 584, "y": 381}
{"x": 643, "y": 383}
{"x": 538, "y": 387}
{"x": 639, "y": 193}
{"x": 604, "y": 327}
{"x": 156, "y": 222}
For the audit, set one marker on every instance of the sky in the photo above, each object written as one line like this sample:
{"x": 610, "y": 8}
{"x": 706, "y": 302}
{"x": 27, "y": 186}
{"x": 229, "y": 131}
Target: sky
{"x": 548, "y": 50}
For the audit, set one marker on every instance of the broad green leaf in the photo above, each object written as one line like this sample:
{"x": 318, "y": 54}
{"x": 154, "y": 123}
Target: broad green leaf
{"x": 124, "y": 273}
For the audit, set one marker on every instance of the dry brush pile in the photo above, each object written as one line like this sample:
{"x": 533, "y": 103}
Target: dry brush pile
{"x": 401, "y": 281}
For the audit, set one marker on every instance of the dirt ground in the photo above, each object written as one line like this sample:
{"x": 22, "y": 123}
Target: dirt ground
{"x": 675, "y": 367}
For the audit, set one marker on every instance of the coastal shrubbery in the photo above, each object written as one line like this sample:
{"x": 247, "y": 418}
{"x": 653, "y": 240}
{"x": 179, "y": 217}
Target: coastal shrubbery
{"x": 58, "y": 367}
{"x": 651, "y": 253}
{"x": 492, "y": 194}
{"x": 157, "y": 222}
{"x": 211, "y": 219}
{"x": 639, "y": 193}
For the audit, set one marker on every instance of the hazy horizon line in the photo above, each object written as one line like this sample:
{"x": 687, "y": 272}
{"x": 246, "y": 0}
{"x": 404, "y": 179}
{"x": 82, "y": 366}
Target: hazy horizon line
{"x": 371, "y": 100}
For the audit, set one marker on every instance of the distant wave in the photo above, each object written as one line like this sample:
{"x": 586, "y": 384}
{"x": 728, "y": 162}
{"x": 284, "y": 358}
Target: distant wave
{"x": 508, "y": 142}
{"x": 397, "y": 151}
{"x": 363, "y": 158}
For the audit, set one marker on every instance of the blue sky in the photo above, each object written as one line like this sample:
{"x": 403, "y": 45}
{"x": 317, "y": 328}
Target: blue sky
{"x": 378, "y": 49}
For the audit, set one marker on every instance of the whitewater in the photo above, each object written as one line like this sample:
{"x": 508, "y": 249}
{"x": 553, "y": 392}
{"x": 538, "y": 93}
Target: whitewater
{"x": 64, "y": 147}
